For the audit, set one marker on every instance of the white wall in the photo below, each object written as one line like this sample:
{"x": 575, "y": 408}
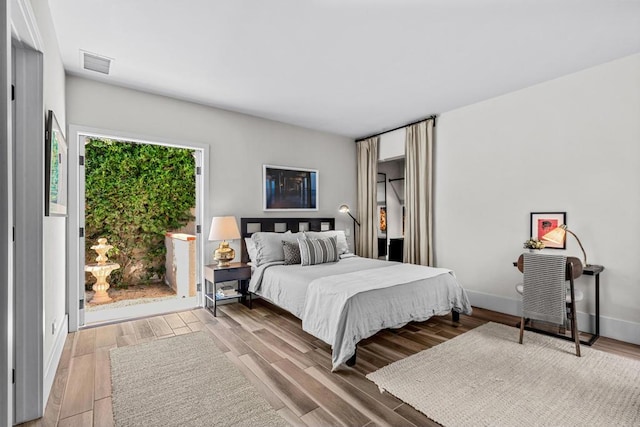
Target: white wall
{"x": 391, "y": 145}
{"x": 54, "y": 74}
{"x": 240, "y": 145}
{"x": 54, "y": 228}
{"x": 570, "y": 144}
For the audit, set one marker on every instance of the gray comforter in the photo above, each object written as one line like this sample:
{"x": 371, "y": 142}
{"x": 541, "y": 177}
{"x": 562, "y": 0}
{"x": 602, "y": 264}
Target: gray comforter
{"x": 342, "y": 303}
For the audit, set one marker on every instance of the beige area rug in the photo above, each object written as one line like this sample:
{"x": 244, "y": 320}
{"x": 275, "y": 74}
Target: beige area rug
{"x": 484, "y": 377}
{"x": 184, "y": 381}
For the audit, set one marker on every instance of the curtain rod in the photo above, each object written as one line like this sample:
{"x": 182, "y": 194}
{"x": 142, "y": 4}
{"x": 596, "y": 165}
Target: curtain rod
{"x": 434, "y": 117}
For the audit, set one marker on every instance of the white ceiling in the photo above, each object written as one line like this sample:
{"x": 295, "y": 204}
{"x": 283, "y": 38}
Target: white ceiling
{"x": 351, "y": 67}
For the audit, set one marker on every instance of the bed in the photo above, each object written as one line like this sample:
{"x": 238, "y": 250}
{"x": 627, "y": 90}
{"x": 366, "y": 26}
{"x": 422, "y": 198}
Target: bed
{"x": 347, "y": 301}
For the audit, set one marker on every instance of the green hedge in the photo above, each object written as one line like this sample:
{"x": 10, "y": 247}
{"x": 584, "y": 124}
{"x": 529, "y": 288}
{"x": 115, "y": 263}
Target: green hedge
{"x": 134, "y": 194}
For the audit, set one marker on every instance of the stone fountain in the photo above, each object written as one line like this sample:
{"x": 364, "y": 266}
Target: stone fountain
{"x": 101, "y": 270}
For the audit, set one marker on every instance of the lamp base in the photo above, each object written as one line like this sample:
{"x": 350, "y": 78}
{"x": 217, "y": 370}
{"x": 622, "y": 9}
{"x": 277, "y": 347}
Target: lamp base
{"x": 224, "y": 254}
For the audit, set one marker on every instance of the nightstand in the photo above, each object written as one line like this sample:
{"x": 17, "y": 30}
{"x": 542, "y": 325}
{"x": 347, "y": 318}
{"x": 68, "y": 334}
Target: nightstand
{"x": 213, "y": 274}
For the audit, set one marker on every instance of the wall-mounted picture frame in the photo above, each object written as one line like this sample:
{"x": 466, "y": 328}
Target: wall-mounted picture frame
{"x": 543, "y": 222}
{"x": 289, "y": 188}
{"x": 56, "y": 168}
{"x": 382, "y": 219}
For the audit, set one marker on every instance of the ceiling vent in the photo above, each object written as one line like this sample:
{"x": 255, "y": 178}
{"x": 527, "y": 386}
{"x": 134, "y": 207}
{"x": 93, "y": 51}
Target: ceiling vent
{"x": 97, "y": 63}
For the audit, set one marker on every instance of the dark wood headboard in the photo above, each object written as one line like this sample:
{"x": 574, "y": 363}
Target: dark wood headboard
{"x": 248, "y": 226}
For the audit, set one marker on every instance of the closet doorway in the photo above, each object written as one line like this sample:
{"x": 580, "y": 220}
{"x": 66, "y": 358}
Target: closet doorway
{"x": 391, "y": 209}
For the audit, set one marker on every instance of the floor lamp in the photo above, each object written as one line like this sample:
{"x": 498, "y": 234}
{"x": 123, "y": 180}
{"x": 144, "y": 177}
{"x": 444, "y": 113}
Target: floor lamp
{"x": 345, "y": 209}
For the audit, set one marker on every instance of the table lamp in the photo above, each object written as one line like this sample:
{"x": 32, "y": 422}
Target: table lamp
{"x": 557, "y": 236}
{"x": 224, "y": 228}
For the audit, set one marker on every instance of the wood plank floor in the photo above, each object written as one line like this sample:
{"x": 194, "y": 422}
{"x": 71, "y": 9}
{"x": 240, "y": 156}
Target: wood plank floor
{"x": 289, "y": 367}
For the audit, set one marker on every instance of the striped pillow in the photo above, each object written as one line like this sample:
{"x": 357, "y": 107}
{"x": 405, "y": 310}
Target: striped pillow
{"x": 318, "y": 251}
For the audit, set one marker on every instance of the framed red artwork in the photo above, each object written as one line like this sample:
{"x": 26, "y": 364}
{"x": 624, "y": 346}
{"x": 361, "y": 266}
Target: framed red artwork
{"x": 544, "y": 222}
{"x": 383, "y": 219}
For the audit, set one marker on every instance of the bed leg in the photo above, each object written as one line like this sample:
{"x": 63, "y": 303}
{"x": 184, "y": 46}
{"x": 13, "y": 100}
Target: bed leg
{"x": 352, "y": 360}
{"x": 455, "y": 316}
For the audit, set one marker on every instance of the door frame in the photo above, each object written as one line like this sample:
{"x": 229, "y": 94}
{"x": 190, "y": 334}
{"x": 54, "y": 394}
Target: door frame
{"x": 75, "y": 268}
{"x": 6, "y": 222}
{"x": 31, "y": 391}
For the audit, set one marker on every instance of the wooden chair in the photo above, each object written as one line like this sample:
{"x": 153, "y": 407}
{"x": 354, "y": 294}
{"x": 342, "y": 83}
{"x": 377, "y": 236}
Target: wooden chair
{"x": 545, "y": 286}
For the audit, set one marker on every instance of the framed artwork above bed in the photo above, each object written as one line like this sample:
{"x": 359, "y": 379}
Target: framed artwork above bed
{"x": 289, "y": 189}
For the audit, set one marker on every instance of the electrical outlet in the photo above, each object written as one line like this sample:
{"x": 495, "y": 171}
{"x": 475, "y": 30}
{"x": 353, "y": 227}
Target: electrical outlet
{"x": 347, "y": 232}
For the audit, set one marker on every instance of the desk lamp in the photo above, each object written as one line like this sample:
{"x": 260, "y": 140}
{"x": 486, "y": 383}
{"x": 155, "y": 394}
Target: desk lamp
{"x": 559, "y": 234}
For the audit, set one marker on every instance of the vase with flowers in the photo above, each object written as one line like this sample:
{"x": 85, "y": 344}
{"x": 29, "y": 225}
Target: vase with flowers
{"x": 533, "y": 245}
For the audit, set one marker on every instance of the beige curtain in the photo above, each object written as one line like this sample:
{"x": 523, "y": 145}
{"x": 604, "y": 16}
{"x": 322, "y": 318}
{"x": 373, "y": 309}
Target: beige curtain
{"x": 418, "y": 236}
{"x": 367, "y": 234}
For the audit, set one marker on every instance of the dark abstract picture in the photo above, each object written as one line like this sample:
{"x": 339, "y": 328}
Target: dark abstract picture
{"x": 288, "y": 188}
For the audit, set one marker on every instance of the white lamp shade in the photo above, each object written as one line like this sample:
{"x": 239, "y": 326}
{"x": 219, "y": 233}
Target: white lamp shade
{"x": 557, "y": 235}
{"x": 224, "y": 228}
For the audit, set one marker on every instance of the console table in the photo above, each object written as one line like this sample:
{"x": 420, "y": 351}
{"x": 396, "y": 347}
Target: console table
{"x": 595, "y": 270}
{"x": 589, "y": 270}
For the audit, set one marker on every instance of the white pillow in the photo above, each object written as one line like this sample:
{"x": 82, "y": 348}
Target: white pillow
{"x": 252, "y": 251}
{"x": 341, "y": 239}
{"x": 269, "y": 245}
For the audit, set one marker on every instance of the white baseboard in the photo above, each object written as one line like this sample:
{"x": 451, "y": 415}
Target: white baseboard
{"x": 505, "y": 305}
{"x": 617, "y": 329}
{"x": 51, "y": 365}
